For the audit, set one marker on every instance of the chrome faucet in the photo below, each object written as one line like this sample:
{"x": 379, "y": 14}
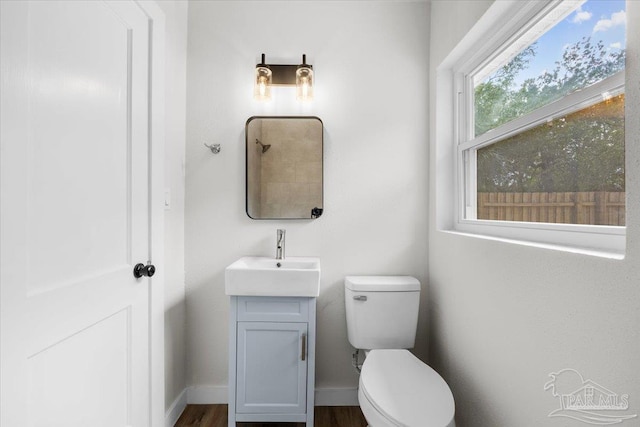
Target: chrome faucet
{"x": 280, "y": 244}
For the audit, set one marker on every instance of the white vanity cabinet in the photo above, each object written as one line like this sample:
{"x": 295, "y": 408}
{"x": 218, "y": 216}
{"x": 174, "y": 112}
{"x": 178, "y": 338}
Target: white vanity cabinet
{"x": 271, "y": 359}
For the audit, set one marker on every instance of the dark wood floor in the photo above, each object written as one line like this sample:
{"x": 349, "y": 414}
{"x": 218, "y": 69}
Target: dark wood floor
{"x": 325, "y": 416}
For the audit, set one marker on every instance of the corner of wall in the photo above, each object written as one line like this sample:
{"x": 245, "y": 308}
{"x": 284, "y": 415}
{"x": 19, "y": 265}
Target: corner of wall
{"x": 175, "y": 134}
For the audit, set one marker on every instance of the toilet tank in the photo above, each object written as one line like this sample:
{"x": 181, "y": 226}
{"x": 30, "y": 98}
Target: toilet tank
{"x": 382, "y": 311}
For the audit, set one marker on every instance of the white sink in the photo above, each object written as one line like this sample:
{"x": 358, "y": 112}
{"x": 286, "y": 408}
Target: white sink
{"x": 264, "y": 276}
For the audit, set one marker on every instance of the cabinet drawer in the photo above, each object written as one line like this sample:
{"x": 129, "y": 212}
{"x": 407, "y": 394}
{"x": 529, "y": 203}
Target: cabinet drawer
{"x": 273, "y": 309}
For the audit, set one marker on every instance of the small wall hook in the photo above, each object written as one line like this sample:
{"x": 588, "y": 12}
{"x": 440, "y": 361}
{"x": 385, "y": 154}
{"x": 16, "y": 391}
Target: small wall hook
{"x": 215, "y": 148}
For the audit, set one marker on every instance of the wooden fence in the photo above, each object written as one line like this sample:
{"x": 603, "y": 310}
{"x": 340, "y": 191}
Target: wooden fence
{"x": 588, "y": 207}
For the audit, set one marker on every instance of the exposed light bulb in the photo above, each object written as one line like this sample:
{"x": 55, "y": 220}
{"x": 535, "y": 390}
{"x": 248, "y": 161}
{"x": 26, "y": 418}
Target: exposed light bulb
{"x": 262, "y": 90}
{"x": 304, "y": 83}
{"x": 262, "y": 86}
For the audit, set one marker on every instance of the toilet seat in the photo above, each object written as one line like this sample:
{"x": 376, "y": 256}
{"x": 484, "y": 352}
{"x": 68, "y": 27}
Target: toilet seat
{"x": 403, "y": 391}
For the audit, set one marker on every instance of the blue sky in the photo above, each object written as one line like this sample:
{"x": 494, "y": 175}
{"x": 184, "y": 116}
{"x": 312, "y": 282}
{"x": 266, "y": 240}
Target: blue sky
{"x": 599, "y": 19}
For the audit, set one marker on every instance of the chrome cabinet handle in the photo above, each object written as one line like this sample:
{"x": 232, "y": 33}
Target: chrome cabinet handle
{"x": 303, "y": 354}
{"x": 360, "y": 298}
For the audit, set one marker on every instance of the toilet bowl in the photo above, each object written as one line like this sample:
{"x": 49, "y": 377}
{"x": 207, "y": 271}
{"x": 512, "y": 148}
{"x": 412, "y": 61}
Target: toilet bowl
{"x": 395, "y": 388}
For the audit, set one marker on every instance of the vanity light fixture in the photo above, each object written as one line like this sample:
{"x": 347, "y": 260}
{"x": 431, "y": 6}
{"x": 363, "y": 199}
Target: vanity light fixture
{"x": 268, "y": 75}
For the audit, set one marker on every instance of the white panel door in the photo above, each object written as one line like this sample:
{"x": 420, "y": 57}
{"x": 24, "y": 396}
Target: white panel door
{"x": 74, "y": 325}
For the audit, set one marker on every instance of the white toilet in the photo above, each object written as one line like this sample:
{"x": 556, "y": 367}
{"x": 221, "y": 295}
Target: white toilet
{"x": 396, "y": 388}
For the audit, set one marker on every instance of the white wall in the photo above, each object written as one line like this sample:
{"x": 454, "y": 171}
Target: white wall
{"x": 175, "y": 116}
{"x": 504, "y": 316}
{"x": 371, "y": 64}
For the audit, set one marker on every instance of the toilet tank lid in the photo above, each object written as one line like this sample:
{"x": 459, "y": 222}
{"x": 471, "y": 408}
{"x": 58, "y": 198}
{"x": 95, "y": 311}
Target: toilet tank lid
{"x": 382, "y": 283}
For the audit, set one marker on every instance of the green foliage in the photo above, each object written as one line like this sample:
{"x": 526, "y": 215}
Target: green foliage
{"x": 496, "y": 101}
{"x": 583, "y": 151}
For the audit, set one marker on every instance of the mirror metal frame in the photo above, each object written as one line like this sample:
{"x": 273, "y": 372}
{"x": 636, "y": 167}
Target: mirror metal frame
{"x": 314, "y": 214}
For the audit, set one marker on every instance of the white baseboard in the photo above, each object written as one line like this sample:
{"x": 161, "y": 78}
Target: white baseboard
{"x": 176, "y": 409}
{"x": 200, "y": 395}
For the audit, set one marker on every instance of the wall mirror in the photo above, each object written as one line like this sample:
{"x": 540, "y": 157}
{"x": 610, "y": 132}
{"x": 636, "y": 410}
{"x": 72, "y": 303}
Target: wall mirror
{"x": 284, "y": 167}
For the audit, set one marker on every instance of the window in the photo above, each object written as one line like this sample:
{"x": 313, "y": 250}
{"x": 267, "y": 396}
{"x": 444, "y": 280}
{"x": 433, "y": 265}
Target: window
{"x": 541, "y": 128}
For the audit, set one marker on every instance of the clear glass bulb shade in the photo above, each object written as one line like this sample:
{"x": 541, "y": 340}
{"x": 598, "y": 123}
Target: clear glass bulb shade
{"x": 263, "y": 81}
{"x": 304, "y": 84}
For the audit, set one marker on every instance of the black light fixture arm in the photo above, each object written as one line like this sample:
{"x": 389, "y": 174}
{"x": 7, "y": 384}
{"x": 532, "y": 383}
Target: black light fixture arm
{"x": 284, "y": 74}
{"x": 262, "y": 62}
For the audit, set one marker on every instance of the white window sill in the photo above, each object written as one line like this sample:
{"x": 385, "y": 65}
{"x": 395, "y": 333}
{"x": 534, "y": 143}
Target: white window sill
{"x": 605, "y": 242}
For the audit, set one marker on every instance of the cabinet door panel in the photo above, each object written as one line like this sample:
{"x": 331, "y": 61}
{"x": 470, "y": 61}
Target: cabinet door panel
{"x": 272, "y": 376}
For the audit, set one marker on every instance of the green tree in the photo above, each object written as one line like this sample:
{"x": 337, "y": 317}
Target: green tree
{"x": 583, "y": 151}
{"x": 496, "y": 101}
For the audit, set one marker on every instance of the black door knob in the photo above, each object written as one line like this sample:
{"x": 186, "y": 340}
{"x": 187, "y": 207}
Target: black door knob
{"x": 143, "y": 270}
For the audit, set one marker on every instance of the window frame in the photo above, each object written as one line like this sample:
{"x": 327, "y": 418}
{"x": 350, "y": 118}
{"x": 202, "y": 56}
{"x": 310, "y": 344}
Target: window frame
{"x": 599, "y": 238}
